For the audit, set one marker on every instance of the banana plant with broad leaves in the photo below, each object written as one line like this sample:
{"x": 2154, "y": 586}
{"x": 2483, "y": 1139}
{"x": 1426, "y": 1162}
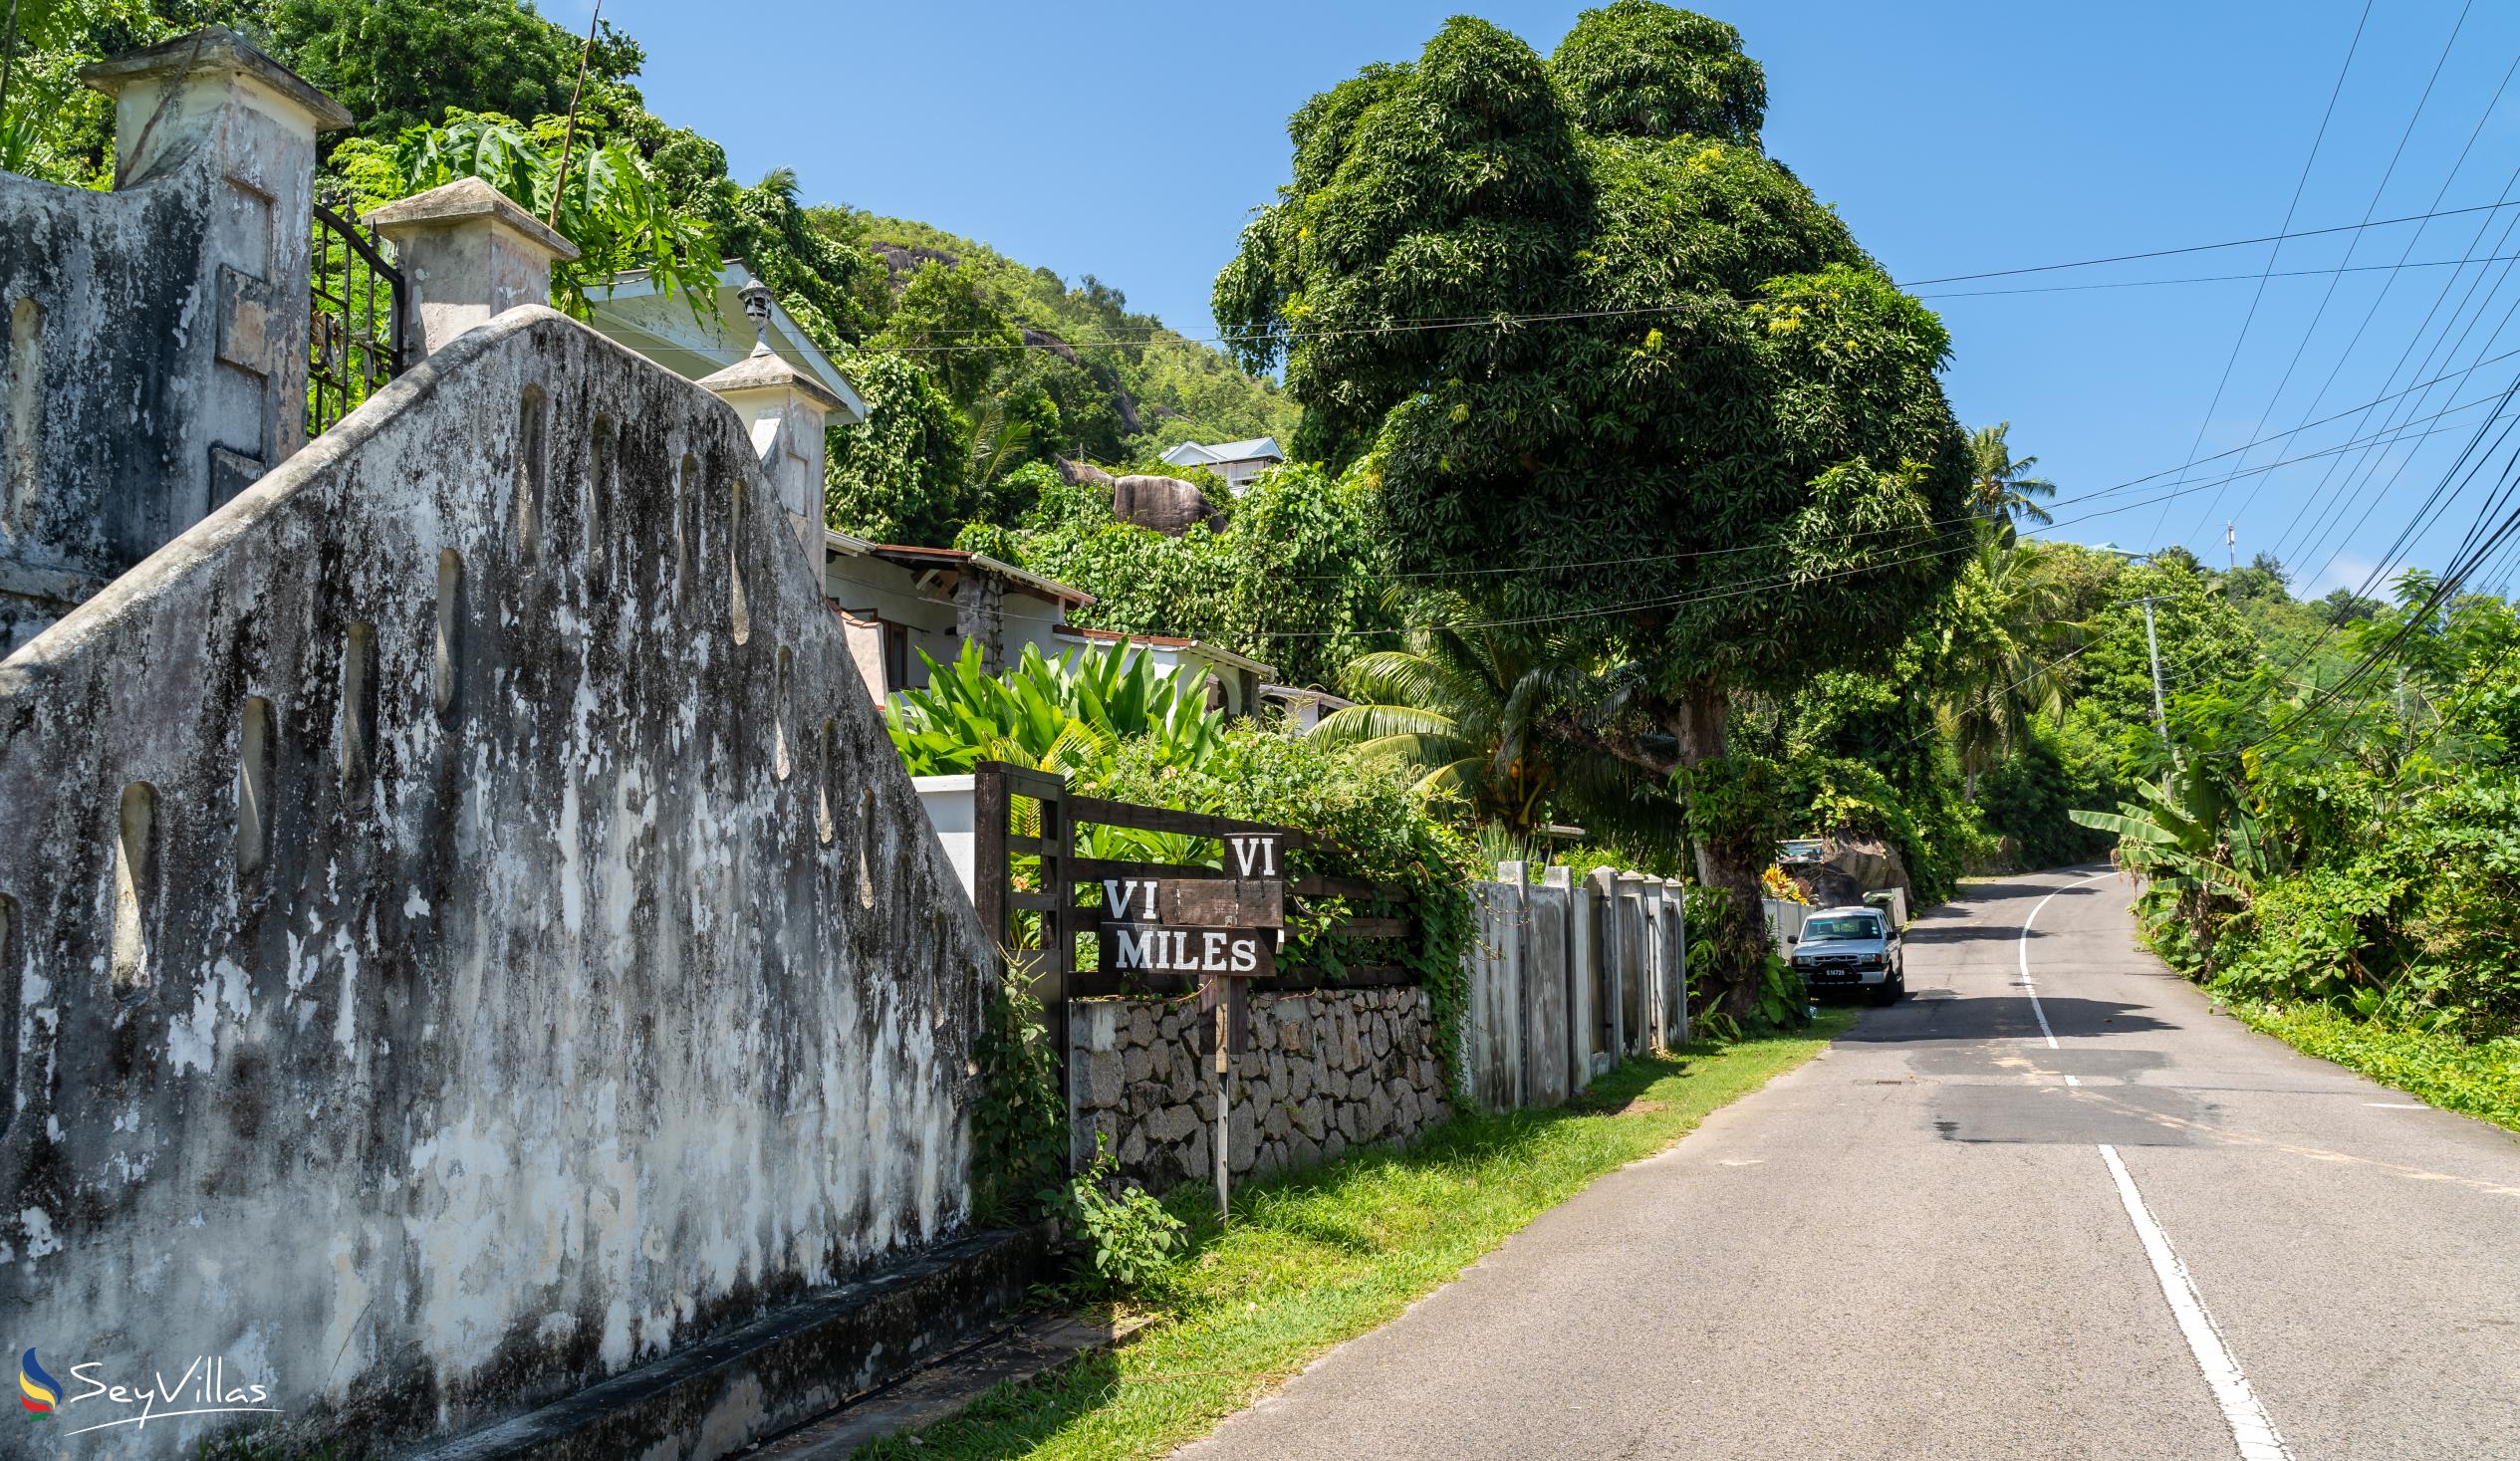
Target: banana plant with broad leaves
{"x": 2200, "y": 847}
{"x": 1064, "y": 715}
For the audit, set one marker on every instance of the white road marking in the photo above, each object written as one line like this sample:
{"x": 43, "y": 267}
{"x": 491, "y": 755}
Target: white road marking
{"x": 2032, "y": 985}
{"x": 2240, "y": 1408}
{"x": 2397, "y": 1106}
{"x": 2251, "y": 1426}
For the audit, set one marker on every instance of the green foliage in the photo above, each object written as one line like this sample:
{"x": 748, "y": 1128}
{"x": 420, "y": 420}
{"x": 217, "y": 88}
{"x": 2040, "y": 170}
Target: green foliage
{"x": 402, "y": 63}
{"x": 612, "y": 206}
{"x": 1295, "y": 581}
{"x": 1019, "y": 1132}
{"x": 1070, "y": 716}
{"x": 2346, "y": 844}
{"x": 898, "y": 476}
{"x": 1639, "y": 69}
{"x": 2000, "y": 485}
{"x": 1470, "y": 710}
{"x": 1129, "y": 1232}
{"x": 1125, "y": 386}
{"x": 2028, "y": 797}
{"x": 1371, "y": 827}
{"x": 2205, "y": 645}
{"x": 958, "y": 334}
{"x": 2480, "y": 1079}
{"x": 1729, "y": 400}
{"x": 1780, "y": 1001}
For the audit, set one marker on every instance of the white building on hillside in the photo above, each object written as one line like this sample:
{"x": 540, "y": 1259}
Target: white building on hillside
{"x": 1235, "y": 461}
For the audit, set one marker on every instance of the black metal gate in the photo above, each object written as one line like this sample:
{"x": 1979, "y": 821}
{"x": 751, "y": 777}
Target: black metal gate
{"x": 355, "y": 339}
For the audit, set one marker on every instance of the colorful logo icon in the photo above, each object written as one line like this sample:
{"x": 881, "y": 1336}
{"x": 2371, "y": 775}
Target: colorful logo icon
{"x": 37, "y": 1391}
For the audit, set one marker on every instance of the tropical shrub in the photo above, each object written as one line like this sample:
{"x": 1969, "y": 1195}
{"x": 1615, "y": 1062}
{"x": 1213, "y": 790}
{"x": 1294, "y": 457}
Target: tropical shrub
{"x": 1369, "y": 828}
{"x": 1128, "y": 1232}
{"x": 1069, "y": 715}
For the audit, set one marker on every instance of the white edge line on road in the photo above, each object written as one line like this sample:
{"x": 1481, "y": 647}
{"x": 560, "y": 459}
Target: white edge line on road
{"x": 2026, "y": 981}
{"x": 2240, "y": 1408}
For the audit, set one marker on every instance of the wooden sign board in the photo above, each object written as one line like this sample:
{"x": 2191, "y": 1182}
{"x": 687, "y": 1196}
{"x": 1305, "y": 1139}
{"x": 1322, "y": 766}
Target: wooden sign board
{"x": 1223, "y": 903}
{"x": 1215, "y": 903}
{"x": 1153, "y": 948}
{"x": 1255, "y": 855}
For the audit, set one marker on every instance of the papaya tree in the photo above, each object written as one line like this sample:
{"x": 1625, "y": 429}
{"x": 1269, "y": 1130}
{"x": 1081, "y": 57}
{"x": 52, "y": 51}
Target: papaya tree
{"x": 1622, "y": 366}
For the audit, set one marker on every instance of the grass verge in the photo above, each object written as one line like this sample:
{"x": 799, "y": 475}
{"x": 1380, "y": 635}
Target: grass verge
{"x": 1318, "y": 1257}
{"x": 2478, "y": 1080}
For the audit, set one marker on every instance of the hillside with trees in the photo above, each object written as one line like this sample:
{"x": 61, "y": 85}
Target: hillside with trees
{"x": 982, "y": 364}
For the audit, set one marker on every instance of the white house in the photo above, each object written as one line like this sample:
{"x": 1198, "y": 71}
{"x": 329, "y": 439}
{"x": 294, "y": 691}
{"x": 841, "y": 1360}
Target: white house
{"x": 1303, "y": 708}
{"x": 1235, "y": 461}
{"x": 663, "y": 327}
{"x": 892, "y": 600}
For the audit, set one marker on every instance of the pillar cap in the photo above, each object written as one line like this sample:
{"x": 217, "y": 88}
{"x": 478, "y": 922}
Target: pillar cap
{"x": 214, "y": 48}
{"x": 763, "y": 370}
{"x": 461, "y": 202}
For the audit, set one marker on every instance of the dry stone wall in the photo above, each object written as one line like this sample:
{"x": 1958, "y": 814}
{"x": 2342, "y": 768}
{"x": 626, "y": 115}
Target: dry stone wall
{"x": 1325, "y": 1071}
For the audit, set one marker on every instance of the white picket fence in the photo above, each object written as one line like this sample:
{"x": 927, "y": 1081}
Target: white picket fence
{"x": 1566, "y": 978}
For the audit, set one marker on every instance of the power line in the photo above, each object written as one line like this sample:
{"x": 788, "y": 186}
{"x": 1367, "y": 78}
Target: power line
{"x": 2379, "y": 191}
{"x": 2372, "y": 313}
{"x": 1505, "y": 317}
{"x": 2259, "y": 294}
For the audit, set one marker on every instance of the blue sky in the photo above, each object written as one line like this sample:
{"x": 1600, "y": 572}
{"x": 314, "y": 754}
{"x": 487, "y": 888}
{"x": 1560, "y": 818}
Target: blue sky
{"x": 1131, "y": 141}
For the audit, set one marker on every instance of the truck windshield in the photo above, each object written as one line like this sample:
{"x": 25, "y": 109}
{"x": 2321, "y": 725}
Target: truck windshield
{"x": 1853, "y": 926}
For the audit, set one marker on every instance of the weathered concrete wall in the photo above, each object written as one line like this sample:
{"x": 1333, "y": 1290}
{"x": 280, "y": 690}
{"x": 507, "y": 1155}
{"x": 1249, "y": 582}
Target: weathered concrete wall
{"x": 1563, "y": 981}
{"x": 467, "y": 931}
{"x": 1491, "y": 1059}
{"x": 156, "y": 337}
{"x": 1546, "y": 1026}
{"x": 1325, "y": 1071}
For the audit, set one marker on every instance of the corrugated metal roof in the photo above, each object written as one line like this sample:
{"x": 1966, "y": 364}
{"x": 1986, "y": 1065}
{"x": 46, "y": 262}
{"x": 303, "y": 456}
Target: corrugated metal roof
{"x": 1197, "y": 454}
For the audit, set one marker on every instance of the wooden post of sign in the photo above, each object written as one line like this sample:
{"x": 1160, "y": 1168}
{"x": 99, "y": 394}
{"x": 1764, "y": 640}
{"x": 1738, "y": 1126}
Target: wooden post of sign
{"x": 1224, "y": 1035}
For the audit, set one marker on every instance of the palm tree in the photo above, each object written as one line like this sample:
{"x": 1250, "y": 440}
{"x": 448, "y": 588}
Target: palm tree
{"x": 2000, "y": 485}
{"x": 2005, "y": 639}
{"x": 1474, "y": 708}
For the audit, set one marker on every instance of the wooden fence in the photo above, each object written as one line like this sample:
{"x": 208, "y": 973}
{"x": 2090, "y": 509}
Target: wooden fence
{"x": 1040, "y": 872}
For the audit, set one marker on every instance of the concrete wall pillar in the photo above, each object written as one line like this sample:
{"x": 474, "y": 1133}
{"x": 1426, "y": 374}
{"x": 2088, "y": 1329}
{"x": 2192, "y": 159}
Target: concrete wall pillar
{"x": 1584, "y": 983}
{"x": 784, "y": 409}
{"x": 1609, "y": 998}
{"x": 208, "y": 111}
{"x": 468, "y": 253}
{"x": 1636, "y": 974}
{"x": 980, "y": 616}
{"x": 1547, "y": 1017}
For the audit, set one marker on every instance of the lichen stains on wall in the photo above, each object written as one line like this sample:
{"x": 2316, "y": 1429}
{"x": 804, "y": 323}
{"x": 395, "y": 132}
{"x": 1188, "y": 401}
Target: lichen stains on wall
{"x": 433, "y": 996}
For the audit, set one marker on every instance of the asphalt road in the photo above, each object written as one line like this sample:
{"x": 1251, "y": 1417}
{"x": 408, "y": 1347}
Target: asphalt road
{"x": 2157, "y": 1234}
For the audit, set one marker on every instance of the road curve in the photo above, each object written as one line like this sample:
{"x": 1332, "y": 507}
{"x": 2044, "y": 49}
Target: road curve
{"x": 2049, "y": 1206}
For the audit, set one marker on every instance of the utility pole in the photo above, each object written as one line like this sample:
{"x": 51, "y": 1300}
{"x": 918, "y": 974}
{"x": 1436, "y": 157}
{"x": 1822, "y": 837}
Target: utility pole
{"x": 2153, "y": 648}
{"x": 2231, "y": 551}
{"x": 2160, "y": 713}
